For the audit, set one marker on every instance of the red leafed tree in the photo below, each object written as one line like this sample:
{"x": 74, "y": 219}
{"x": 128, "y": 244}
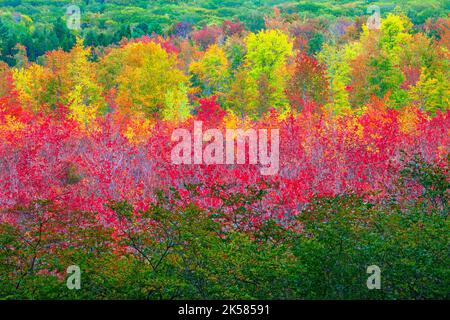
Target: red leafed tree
{"x": 210, "y": 110}
{"x": 230, "y": 28}
{"x": 207, "y": 36}
{"x": 308, "y": 82}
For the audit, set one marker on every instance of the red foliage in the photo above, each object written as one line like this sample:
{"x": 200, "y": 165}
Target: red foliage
{"x": 412, "y": 75}
{"x": 230, "y": 28}
{"x": 166, "y": 44}
{"x": 309, "y": 82}
{"x": 210, "y": 111}
{"x": 206, "y": 36}
{"x": 54, "y": 159}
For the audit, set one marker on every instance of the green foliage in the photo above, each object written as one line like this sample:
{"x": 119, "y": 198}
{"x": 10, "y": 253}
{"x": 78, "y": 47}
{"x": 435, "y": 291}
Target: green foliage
{"x": 434, "y": 180}
{"x": 183, "y": 252}
{"x": 345, "y": 235}
{"x": 42, "y": 24}
{"x": 267, "y": 52}
{"x": 177, "y": 250}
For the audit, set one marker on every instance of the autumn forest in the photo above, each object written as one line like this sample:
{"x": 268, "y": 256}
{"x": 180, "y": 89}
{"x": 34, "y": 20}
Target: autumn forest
{"x": 91, "y": 93}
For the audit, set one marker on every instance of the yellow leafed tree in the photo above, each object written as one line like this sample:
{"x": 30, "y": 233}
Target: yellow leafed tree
{"x": 85, "y": 97}
{"x": 267, "y": 54}
{"x": 31, "y": 84}
{"x": 146, "y": 77}
{"x": 211, "y": 70}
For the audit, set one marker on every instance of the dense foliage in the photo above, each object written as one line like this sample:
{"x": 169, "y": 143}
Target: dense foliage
{"x": 176, "y": 250}
{"x": 86, "y": 176}
{"x": 41, "y": 25}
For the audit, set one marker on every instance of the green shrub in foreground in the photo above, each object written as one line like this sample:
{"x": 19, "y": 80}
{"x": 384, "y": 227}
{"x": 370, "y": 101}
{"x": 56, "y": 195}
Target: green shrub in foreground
{"x": 185, "y": 253}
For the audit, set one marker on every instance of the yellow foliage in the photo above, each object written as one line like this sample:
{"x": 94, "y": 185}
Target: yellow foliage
{"x": 79, "y": 111}
{"x": 31, "y": 83}
{"x": 267, "y": 54}
{"x": 85, "y": 98}
{"x": 432, "y": 91}
{"x": 353, "y": 125}
{"x": 233, "y": 121}
{"x": 268, "y": 50}
{"x": 177, "y": 107}
{"x": 137, "y": 131}
{"x": 242, "y": 96}
{"x": 145, "y": 74}
{"x": 11, "y": 124}
{"x": 408, "y": 120}
{"x": 212, "y": 68}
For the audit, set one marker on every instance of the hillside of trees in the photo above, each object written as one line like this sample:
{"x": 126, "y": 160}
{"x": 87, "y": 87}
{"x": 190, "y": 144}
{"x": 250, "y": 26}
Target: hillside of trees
{"x": 41, "y": 25}
{"x": 87, "y": 115}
